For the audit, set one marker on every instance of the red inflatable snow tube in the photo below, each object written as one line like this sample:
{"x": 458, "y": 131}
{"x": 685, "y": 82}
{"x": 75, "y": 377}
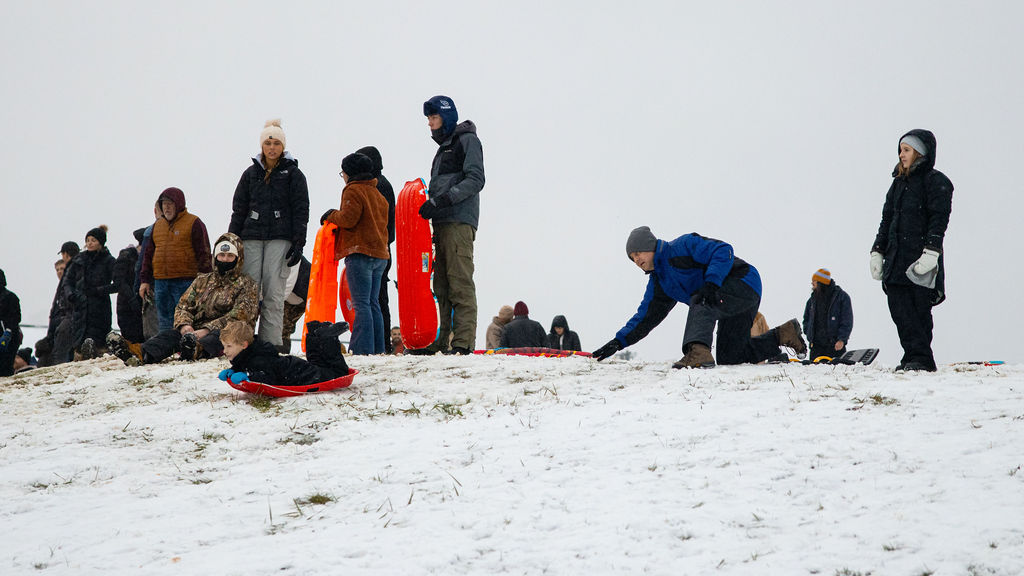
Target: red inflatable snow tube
{"x": 414, "y": 257}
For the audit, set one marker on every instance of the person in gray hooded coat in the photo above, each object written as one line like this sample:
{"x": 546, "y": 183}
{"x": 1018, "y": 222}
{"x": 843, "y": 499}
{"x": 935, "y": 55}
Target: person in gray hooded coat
{"x": 456, "y": 179}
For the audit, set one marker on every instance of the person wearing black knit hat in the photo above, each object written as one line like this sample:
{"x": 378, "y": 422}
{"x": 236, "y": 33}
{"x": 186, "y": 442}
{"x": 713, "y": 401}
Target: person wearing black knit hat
{"x": 386, "y": 190}
{"x": 88, "y": 283}
{"x": 718, "y": 287}
{"x": 363, "y": 243}
{"x": 456, "y": 179}
{"x": 906, "y": 255}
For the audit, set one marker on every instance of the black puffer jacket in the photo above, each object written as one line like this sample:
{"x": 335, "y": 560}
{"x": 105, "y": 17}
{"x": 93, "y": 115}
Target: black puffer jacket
{"x": 458, "y": 174}
{"x": 274, "y": 210}
{"x": 129, "y": 305}
{"x": 262, "y": 363}
{"x": 914, "y": 217}
{"x": 569, "y": 340}
{"x": 522, "y": 332}
{"x": 10, "y": 312}
{"x": 383, "y": 186}
{"x": 88, "y": 284}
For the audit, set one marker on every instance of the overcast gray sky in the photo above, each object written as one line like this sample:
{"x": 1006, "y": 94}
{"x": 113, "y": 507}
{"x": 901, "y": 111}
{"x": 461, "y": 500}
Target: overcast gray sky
{"x": 772, "y": 126}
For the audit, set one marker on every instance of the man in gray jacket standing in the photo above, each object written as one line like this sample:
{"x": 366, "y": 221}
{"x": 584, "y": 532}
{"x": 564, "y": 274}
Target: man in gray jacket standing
{"x": 456, "y": 178}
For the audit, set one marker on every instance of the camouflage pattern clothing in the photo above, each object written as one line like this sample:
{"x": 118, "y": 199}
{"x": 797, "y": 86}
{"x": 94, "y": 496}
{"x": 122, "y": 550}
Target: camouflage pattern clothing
{"x": 214, "y": 299}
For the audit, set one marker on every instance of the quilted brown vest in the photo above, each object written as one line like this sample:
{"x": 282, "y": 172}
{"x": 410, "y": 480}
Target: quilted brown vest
{"x": 173, "y": 255}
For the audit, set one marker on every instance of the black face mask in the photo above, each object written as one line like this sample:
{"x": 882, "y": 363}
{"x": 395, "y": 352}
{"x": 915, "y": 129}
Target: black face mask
{"x": 225, "y": 267}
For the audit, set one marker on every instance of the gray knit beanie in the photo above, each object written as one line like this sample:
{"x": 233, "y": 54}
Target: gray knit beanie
{"x": 640, "y": 240}
{"x": 915, "y": 143}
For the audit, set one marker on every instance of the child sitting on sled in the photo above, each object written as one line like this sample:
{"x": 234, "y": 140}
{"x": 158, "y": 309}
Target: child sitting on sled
{"x": 259, "y": 361}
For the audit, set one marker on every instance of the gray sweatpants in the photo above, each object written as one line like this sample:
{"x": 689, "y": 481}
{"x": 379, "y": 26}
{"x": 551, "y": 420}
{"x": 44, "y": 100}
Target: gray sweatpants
{"x": 265, "y": 263}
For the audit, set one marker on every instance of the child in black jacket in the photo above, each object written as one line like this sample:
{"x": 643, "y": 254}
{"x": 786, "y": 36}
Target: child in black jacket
{"x": 259, "y": 361}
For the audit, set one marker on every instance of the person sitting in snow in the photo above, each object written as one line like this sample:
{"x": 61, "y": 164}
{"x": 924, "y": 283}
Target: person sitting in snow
{"x": 24, "y": 361}
{"x": 828, "y": 316}
{"x": 214, "y": 299}
{"x": 560, "y": 337}
{"x": 719, "y": 289}
{"x": 522, "y": 332}
{"x": 497, "y": 326}
{"x": 259, "y": 361}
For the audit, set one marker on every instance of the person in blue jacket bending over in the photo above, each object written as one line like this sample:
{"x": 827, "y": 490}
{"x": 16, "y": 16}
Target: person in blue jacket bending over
{"x": 719, "y": 289}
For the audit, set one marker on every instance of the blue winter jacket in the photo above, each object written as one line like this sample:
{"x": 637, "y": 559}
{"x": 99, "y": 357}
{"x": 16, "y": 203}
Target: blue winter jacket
{"x": 681, "y": 267}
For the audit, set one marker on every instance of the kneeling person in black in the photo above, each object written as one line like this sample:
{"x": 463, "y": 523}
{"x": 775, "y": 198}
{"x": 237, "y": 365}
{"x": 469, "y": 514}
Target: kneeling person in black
{"x": 260, "y": 361}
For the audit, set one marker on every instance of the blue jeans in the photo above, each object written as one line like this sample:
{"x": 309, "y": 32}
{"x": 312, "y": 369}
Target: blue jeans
{"x": 168, "y": 292}
{"x": 364, "y": 275}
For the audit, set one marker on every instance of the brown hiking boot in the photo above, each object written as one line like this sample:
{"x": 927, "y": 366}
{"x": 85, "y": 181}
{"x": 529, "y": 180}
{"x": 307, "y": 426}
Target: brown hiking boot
{"x": 789, "y": 336}
{"x": 698, "y": 356}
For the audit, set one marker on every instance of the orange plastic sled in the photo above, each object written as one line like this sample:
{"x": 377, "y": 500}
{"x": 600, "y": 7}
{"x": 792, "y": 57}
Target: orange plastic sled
{"x": 348, "y": 308}
{"x": 321, "y": 301}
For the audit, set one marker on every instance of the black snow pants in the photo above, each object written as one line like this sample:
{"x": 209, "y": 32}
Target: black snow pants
{"x": 168, "y": 342}
{"x": 911, "y": 309}
{"x": 734, "y": 315}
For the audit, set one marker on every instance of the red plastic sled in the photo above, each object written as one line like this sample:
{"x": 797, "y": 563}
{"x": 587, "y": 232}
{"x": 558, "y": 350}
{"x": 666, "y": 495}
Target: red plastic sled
{"x": 323, "y": 280}
{"x": 534, "y": 351}
{"x": 414, "y": 258}
{"x": 283, "y": 391}
{"x": 348, "y": 309}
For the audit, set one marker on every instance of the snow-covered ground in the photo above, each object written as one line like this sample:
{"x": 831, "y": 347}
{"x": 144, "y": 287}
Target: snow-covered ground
{"x": 485, "y": 465}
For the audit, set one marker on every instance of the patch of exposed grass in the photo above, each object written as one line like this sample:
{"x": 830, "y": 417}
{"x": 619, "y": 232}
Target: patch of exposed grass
{"x": 262, "y": 403}
{"x": 139, "y": 382}
{"x": 412, "y": 410}
{"x": 318, "y": 498}
{"x": 848, "y": 572}
{"x": 449, "y": 409}
{"x": 877, "y": 400}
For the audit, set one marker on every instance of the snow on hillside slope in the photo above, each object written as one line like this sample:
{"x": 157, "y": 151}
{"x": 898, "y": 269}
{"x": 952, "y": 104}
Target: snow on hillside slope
{"x": 484, "y": 465}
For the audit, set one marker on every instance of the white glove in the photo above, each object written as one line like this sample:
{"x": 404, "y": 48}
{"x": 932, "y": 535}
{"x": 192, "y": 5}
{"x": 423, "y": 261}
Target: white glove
{"x": 927, "y": 262}
{"x": 876, "y": 265}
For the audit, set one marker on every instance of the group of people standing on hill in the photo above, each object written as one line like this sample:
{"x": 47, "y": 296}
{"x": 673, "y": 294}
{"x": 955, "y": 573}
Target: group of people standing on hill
{"x": 725, "y": 291}
{"x": 175, "y": 294}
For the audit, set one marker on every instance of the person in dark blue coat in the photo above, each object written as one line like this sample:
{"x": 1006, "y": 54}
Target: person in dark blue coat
{"x": 907, "y": 253}
{"x": 719, "y": 289}
{"x": 828, "y": 316}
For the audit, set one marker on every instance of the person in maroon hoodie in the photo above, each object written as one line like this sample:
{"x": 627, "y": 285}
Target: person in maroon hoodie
{"x": 179, "y": 251}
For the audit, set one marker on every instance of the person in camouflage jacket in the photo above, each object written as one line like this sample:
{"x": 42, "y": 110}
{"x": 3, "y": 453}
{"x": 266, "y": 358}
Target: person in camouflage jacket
{"x": 213, "y": 300}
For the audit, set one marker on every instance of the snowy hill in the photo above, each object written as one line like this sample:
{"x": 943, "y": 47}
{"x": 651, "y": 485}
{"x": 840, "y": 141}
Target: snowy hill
{"x": 484, "y": 465}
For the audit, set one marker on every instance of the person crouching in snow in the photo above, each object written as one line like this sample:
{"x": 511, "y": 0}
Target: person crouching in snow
{"x": 260, "y": 361}
{"x": 214, "y": 299}
{"x": 719, "y": 289}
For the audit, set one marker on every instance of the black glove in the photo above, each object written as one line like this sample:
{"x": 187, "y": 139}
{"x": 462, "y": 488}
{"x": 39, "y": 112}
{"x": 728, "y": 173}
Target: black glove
{"x": 607, "y": 350}
{"x": 326, "y": 215}
{"x": 708, "y": 294}
{"x": 428, "y": 209}
{"x": 442, "y": 200}
{"x": 293, "y": 256}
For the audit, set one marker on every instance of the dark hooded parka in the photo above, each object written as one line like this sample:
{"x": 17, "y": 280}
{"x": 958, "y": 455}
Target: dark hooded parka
{"x": 914, "y": 217}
